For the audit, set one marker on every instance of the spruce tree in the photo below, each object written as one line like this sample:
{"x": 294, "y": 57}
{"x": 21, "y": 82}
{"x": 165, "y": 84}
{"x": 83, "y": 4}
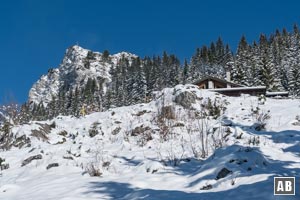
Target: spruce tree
{"x": 185, "y": 72}
{"x": 240, "y": 67}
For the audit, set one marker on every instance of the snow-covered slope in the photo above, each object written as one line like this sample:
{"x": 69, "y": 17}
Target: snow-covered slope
{"x": 77, "y": 66}
{"x": 154, "y": 151}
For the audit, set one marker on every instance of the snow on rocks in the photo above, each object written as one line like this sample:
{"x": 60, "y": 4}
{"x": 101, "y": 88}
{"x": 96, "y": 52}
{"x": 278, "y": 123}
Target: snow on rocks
{"x": 158, "y": 150}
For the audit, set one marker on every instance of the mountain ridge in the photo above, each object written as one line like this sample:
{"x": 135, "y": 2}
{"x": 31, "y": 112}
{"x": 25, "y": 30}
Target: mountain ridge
{"x": 77, "y": 66}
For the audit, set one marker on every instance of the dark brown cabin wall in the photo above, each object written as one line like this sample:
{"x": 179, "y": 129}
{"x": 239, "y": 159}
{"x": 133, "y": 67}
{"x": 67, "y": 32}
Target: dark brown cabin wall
{"x": 256, "y": 92}
{"x": 203, "y": 85}
{"x": 219, "y": 84}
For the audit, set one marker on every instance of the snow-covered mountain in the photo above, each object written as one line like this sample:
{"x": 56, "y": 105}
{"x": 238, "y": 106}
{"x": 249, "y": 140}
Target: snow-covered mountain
{"x": 77, "y": 66}
{"x": 184, "y": 144}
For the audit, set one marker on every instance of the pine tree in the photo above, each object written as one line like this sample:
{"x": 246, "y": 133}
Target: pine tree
{"x": 149, "y": 76}
{"x": 105, "y": 55}
{"x": 240, "y": 67}
{"x": 292, "y": 64}
{"x": 266, "y": 67}
{"x": 212, "y": 53}
{"x": 174, "y": 71}
{"x": 194, "y": 72}
{"x": 139, "y": 85}
{"x": 185, "y": 72}
{"x": 76, "y": 103}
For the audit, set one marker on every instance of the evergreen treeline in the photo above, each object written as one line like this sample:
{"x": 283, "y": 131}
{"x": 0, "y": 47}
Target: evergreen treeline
{"x": 273, "y": 61}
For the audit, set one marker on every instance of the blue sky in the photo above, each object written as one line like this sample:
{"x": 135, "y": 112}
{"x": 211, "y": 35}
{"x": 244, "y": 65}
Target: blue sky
{"x": 35, "y": 33}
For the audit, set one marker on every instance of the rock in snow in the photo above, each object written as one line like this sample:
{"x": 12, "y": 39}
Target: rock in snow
{"x": 223, "y": 173}
{"x": 52, "y": 165}
{"x": 30, "y": 159}
{"x": 185, "y": 99}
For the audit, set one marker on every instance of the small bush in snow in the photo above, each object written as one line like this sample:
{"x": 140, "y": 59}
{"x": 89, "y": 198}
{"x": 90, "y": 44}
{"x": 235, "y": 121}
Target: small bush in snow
{"x": 262, "y": 99}
{"x": 207, "y": 187}
{"x": 93, "y": 169}
{"x": 173, "y": 155}
{"x": 254, "y": 140}
{"x": 214, "y": 107}
{"x": 93, "y": 131}
{"x": 233, "y": 181}
{"x": 261, "y": 117}
{"x": 261, "y": 120}
{"x": 99, "y": 162}
{"x": 297, "y": 122}
{"x": 144, "y": 138}
{"x": 3, "y": 165}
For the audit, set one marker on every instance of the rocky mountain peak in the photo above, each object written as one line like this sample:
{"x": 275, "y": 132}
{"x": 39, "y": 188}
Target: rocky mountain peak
{"x": 78, "y": 65}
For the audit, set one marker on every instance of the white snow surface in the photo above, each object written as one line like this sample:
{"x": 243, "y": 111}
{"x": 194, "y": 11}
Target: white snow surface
{"x": 132, "y": 169}
{"x": 73, "y": 71}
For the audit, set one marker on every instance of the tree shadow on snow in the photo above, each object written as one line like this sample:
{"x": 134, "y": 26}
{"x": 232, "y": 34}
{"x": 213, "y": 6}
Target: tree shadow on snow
{"x": 123, "y": 191}
{"x": 129, "y": 161}
{"x": 286, "y": 136}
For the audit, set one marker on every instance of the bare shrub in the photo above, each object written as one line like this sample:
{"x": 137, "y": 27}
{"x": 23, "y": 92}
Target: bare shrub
{"x": 144, "y": 138}
{"x": 233, "y": 181}
{"x": 171, "y": 156}
{"x": 174, "y": 158}
{"x": 63, "y": 133}
{"x": 99, "y": 162}
{"x": 167, "y": 112}
{"x": 259, "y": 115}
{"x": 193, "y": 145}
{"x": 205, "y": 133}
{"x": 206, "y": 187}
{"x": 261, "y": 118}
{"x": 3, "y": 165}
{"x": 254, "y": 140}
{"x": 93, "y": 169}
{"x": 163, "y": 117}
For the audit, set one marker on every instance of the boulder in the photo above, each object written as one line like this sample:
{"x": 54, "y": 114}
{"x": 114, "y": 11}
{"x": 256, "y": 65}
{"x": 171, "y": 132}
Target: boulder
{"x": 68, "y": 157}
{"x": 52, "y": 165}
{"x": 116, "y": 131}
{"x": 22, "y": 141}
{"x": 223, "y": 173}
{"x": 30, "y": 159}
{"x": 186, "y": 99}
{"x": 139, "y": 130}
{"x": 93, "y": 132}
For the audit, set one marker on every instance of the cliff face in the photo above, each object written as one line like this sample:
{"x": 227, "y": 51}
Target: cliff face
{"x": 77, "y": 67}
